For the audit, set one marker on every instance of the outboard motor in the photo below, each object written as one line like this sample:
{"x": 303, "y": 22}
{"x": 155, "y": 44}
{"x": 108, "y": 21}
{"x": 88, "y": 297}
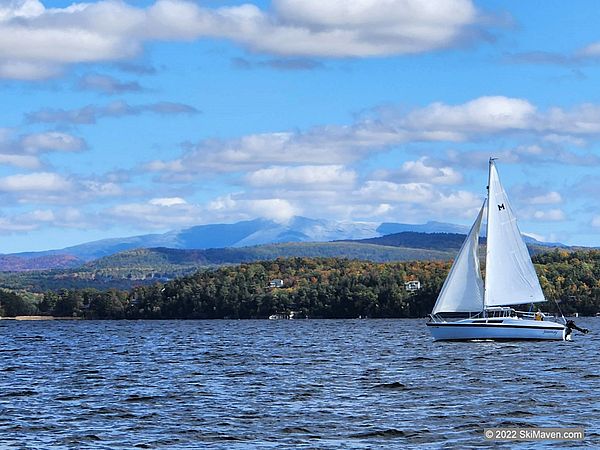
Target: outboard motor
{"x": 570, "y": 327}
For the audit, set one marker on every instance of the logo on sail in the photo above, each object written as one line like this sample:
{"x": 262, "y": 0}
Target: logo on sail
{"x": 501, "y": 207}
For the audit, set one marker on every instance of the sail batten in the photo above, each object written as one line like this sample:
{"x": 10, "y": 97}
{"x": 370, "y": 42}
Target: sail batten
{"x": 510, "y": 276}
{"x": 463, "y": 289}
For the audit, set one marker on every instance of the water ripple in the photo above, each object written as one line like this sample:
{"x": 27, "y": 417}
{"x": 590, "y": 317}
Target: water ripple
{"x": 284, "y": 384}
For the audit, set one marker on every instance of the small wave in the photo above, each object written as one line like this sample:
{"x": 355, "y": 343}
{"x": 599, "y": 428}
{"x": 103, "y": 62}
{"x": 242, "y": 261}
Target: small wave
{"x": 68, "y": 398}
{"x": 387, "y": 433}
{"x": 90, "y": 437}
{"x": 23, "y": 393}
{"x": 220, "y": 437}
{"x": 519, "y": 413}
{"x": 290, "y": 430}
{"x": 303, "y": 395}
{"x": 239, "y": 374}
{"x": 558, "y": 369}
{"x": 393, "y": 385}
{"x": 38, "y": 428}
{"x": 422, "y": 358}
{"x": 513, "y": 414}
{"x": 468, "y": 426}
{"x": 514, "y": 424}
{"x": 35, "y": 338}
{"x": 554, "y": 386}
{"x": 246, "y": 416}
{"x": 89, "y": 373}
{"x": 141, "y": 398}
{"x": 75, "y": 440}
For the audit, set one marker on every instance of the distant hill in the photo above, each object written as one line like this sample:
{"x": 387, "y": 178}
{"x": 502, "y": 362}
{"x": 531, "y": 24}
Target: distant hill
{"x": 148, "y": 265}
{"x": 144, "y": 266}
{"x": 429, "y": 227}
{"x": 239, "y": 234}
{"x": 18, "y": 264}
{"x": 446, "y": 242}
{"x": 431, "y": 235}
{"x": 449, "y": 242}
{"x": 155, "y": 258}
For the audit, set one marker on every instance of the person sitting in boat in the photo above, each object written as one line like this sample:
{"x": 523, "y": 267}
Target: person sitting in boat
{"x": 539, "y": 315}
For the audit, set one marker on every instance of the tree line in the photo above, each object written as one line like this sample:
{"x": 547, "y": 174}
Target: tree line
{"x": 312, "y": 287}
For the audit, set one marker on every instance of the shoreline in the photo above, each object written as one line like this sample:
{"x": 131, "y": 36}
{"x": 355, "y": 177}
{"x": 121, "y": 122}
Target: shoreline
{"x": 41, "y": 318}
{"x": 84, "y": 319}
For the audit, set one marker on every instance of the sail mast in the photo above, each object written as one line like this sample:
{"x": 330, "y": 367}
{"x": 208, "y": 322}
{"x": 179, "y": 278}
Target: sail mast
{"x": 487, "y": 234}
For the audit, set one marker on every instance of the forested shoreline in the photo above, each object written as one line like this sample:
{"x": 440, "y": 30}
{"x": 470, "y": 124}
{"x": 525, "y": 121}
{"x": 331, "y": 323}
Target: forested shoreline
{"x": 312, "y": 288}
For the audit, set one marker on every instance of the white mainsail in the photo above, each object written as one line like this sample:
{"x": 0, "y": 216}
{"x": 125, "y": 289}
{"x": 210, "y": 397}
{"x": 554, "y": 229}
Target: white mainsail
{"x": 510, "y": 277}
{"x": 463, "y": 289}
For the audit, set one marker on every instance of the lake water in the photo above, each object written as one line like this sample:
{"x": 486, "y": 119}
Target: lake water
{"x": 321, "y": 384}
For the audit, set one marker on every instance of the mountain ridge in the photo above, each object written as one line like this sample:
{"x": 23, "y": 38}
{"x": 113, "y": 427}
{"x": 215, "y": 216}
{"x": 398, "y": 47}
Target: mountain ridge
{"x": 241, "y": 234}
{"x": 141, "y": 266}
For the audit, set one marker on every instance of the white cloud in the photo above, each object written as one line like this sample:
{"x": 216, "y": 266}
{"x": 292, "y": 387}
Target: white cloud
{"x": 52, "y": 141}
{"x": 40, "y": 215}
{"x": 596, "y": 221}
{"x": 277, "y": 209}
{"x": 307, "y": 177}
{"x": 422, "y": 200}
{"x": 421, "y": 170}
{"x": 484, "y": 114}
{"x": 22, "y": 161}
{"x": 37, "y": 218}
{"x": 549, "y": 198}
{"x": 327, "y": 145}
{"x": 551, "y": 215}
{"x": 395, "y": 192}
{"x": 34, "y": 182}
{"x": 9, "y": 9}
{"x": 167, "y": 201}
{"x": 590, "y": 50}
{"x": 21, "y": 151}
{"x": 289, "y": 197}
{"x": 37, "y": 42}
{"x": 98, "y": 189}
{"x": 237, "y": 207}
{"x": 500, "y": 114}
{"x": 161, "y": 213}
{"x": 525, "y": 154}
{"x": 55, "y": 188}
{"x": 156, "y": 214}
{"x": 359, "y": 28}
{"x": 30, "y": 71}
{"x": 11, "y": 226}
{"x": 320, "y": 146}
{"x": 481, "y": 118}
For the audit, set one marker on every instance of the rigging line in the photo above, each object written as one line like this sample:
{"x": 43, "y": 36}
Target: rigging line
{"x": 560, "y": 311}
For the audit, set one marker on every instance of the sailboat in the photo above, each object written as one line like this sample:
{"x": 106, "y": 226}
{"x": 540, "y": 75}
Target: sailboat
{"x": 510, "y": 279}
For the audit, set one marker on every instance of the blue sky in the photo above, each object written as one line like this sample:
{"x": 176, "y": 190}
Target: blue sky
{"x": 124, "y": 118}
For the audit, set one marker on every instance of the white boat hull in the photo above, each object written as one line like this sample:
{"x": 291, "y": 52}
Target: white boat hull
{"x": 496, "y": 329}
